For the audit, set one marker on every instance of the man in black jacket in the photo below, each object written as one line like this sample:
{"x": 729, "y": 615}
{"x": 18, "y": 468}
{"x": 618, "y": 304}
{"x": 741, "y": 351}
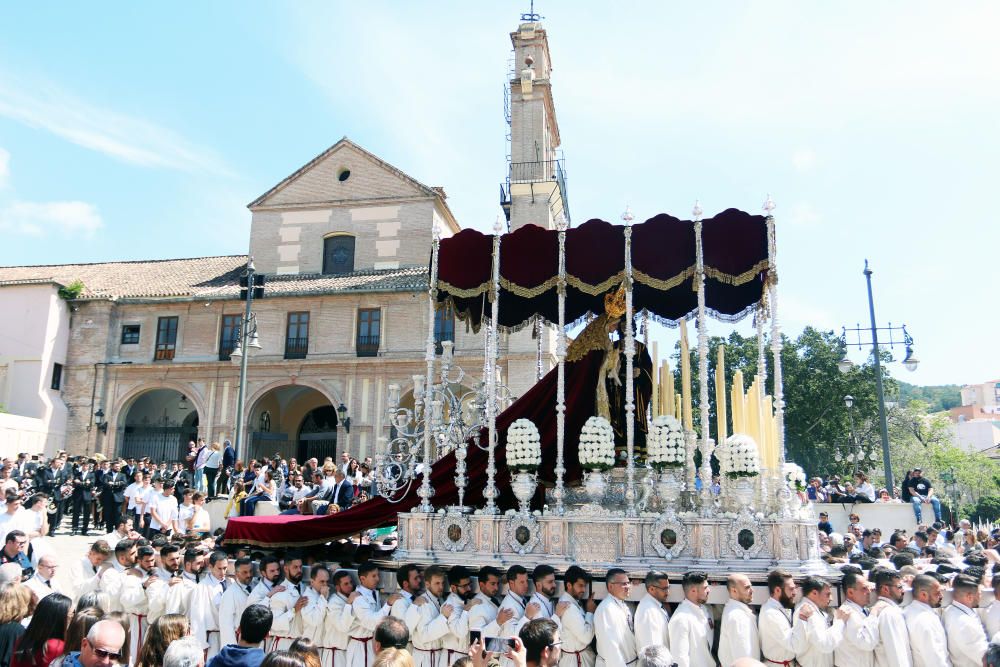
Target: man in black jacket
{"x": 83, "y": 496}
{"x": 113, "y": 495}
{"x": 48, "y": 480}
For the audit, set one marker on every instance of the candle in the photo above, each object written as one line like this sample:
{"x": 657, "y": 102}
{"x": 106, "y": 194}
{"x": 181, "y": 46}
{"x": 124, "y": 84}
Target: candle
{"x": 668, "y": 391}
{"x": 686, "y": 378}
{"x": 739, "y": 399}
{"x": 677, "y": 406}
{"x": 720, "y": 396}
{"x": 654, "y": 402}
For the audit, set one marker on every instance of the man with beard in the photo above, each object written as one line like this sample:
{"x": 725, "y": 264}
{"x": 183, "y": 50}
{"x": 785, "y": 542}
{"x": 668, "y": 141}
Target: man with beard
{"x": 488, "y": 617}
{"x": 270, "y": 576}
{"x": 206, "y": 600}
{"x": 928, "y": 644}
{"x": 368, "y": 610}
{"x": 287, "y": 606}
{"x": 456, "y": 613}
{"x": 780, "y": 639}
{"x": 613, "y": 624}
{"x": 893, "y": 648}
{"x": 651, "y": 616}
{"x": 966, "y": 638}
{"x": 738, "y": 637}
{"x": 141, "y": 592}
{"x": 339, "y": 616}
{"x": 427, "y": 619}
{"x": 542, "y": 602}
{"x": 177, "y": 599}
{"x": 822, "y": 638}
{"x": 113, "y": 578}
{"x": 172, "y": 565}
{"x": 410, "y": 582}
{"x": 576, "y": 619}
{"x": 691, "y": 627}
{"x": 860, "y": 628}
{"x": 234, "y": 601}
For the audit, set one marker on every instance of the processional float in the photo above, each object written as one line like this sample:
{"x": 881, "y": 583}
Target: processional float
{"x": 442, "y": 465}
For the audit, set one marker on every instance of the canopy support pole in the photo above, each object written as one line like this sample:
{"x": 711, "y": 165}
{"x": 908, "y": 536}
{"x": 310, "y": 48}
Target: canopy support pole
{"x": 490, "y": 492}
{"x": 426, "y": 492}
{"x": 706, "y": 441}
{"x": 630, "y": 496}
{"x": 559, "y": 492}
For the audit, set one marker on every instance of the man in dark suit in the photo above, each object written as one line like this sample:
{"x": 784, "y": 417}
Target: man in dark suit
{"x": 49, "y": 479}
{"x": 228, "y": 461}
{"x": 113, "y": 495}
{"x": 83, "y": 496}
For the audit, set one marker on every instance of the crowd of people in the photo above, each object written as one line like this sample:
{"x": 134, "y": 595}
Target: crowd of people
{"x": 915, "y": 489}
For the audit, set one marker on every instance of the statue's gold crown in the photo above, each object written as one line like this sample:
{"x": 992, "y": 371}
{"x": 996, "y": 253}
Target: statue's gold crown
{"x": 614, "y": 303}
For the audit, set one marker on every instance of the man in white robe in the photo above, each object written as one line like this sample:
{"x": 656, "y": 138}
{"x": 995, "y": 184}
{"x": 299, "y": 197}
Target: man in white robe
{"x": 822, "y": 637}
{"x": 113, "y": 576}
{"x": 270, "y": 582}
{"x": 576, "y": 617}
{"x": 966, "y": 637}
{"x": 287, "y": 606}
{"x": 613, "y": 623}
{"x": 780, "y": 638}
{"x": 339, "y": 617}
{"x": 410, "y": 581}
{"x": 368, "y": 609}
{"x": 455, "y": 643}
{"x": 992, "y": 619}
{"x": 428, "y": 619}
{"x": 651, "y": 617}
{"x": 860, "y": 629}
{"x": 86, "y": 576}
{"x": 516, "y": 602}
{"x": 691, "y": 627}
{"x": 177, "y": 599}
{"x": 141, "y": 589}
{"x": 928, "y": 643}
{"x": 738, "y": 636}
{"x": 893, "y": 648}
{"x": 206, "y": 603}
{"x": 234, "y": 601}
{"x": 488, "y": 617}
{"x": 313, "y": 614}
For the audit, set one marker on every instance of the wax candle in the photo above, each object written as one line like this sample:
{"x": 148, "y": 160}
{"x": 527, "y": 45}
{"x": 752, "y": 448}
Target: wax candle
{"x": 654, "y": 401}
{"x": 720, "y": 396}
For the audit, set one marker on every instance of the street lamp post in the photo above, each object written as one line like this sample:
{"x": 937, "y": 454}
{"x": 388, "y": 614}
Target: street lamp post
{"x": 849, "y": 402}
{"x": 253, "y": 286}
{"x": 910, "y": 363}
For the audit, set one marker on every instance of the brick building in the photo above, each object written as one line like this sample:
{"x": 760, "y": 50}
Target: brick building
{"x": 344, "y": 243}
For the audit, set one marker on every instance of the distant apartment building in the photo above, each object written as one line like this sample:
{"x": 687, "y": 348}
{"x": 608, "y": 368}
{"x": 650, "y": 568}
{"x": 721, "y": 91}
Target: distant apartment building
{"x": 977, "y": 421}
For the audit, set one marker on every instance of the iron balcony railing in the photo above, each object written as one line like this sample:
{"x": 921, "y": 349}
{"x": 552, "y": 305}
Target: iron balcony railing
{"x": 535, "y": 172}
{"x": 296, "y": 348}
{"x": 368, "y": 346}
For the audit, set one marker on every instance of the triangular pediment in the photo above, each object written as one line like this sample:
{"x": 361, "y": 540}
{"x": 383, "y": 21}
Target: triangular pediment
{"x": 345, "y": 172}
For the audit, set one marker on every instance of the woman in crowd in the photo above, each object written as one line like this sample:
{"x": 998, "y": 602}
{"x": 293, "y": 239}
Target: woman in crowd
{"x": 864, "y": 491}
{"x": 93, "y": 600}
{"x": 43, "y": 640}
{"x": 212, "y": 464}
{"x": 905, "y": 485}
{"x": 354, "y": 475}
{"x": 236, "y": 474}
{"x": 393, "y": 657}
{"x": 164, "y": 630}
{"x": 78, "y": 628}
{"x": 236, "y": 497}
{"x": 305, "y": 649}
{"x": 264, "y": 489}
{"x": 15, "y": 603}
{"x": 200, "y": 522}
{"x": 283, "y": 659}
{"x": 970, "y": 543}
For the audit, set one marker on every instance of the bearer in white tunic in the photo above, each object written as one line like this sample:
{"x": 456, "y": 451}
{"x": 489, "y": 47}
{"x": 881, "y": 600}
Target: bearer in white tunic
{"x": 429, "y": 620}
{"x": 314, "y": 613}
{"x": 177, "y": 599}
{"x": 544, "y": 578}
{"x": 287, "y": 607}
{"x": 455, "y": 644}
{"x": 738, "y": 636}
{"x": 206, "y": 602}
{"x": 516, "y": 602}
{"x": 651, "y": 618}
{"x": 234, "y": 601}
{"x": 966, "y": 637}
{"x": 113, "y": 577}
{"x": 577, "y": 620}
{"x": 410, "y": 581}
{"x": 893, "y": 648}
{"x": 691, "y": 627}
{"x": 270, "y": 582}
{"x": 368, "y": 610}
{"x": 87, "y": 573}
{"x": 822, "y": 638}
{"x": 780, "y": 639}
{"x": 928, "y": 643}
{"x": 339, "y": 617}
{"x": 861, "y": 628}
{"x": 487, "y": 617}
{"x": 613, "y": 624}
{"x": 140, "y": 589}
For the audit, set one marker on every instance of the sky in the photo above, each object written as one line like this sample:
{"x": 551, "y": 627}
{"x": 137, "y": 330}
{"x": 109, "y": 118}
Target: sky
{"x": 142, "y": 131}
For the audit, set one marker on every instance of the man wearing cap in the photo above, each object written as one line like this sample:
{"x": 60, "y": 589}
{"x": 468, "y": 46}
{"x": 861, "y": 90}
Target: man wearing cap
{"x": 922, "y": 492}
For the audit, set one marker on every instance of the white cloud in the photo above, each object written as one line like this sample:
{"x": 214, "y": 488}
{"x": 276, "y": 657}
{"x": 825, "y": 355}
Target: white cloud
{"x": 68, "y": 218}
{"x": 137, "y": 141}
{"x": 804, "y": 159}
{"x": 804, "y": 215}
{"x": 4, "y": 168}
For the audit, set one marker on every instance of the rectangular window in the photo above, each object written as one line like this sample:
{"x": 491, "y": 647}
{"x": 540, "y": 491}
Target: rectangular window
{"x": 228, "y": 335}
{"x": 166, "y": 339}
{"x": 57, "y": 376}
{"x": 130, "y": 334}
{"x": 369, "y": 329}
{"x": 297, "y": 336}
{"x": 444, "y": 327}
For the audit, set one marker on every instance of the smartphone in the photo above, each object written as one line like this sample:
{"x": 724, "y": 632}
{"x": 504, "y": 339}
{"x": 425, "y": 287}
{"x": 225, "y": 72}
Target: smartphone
{"x": 475, "y": 635}
{"x": 499, "y": 644}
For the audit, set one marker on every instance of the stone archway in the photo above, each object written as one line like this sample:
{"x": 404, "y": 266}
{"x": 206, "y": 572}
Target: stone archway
{"x": 283, "y": 419}
{"x": 157, "y": 423}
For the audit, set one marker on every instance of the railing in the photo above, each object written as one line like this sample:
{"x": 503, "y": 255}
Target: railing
{"x": 164, "y": 352}
{"x": 296, "y": 348}
{"x": 368, "y": 346}
{"x": 534, "y": 172}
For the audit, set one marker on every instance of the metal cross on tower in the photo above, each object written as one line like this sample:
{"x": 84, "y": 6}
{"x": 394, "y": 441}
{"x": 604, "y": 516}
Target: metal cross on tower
{"x": 531, "y": 15}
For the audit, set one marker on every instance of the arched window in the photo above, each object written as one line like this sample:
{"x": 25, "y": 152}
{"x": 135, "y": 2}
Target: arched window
{"x": 338, "y": 254}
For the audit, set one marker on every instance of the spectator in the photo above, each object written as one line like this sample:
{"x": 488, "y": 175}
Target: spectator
{"x": 43, "y": 640}
{"x": 305, "y": 649}
{"x": 228, "y": 463}
{"x": 236, "y": 497}
{"x": 13, "y": 552}
{"x": 255, "y": 624}
{"x": 102, "y": 646}
{"x": 541, "y": 642}
{"x": 904, "y": 492}
{"x": 922, "y": 492}
{"x": 265, "y": 489}
{"x": 824, "y": 523}
{"x": 393, "y": 633}
{"x": 184, "y": 652}
{"x": 122, "y": 619}
{"x": 816, "y": 492}
{"x": 159, "y": 636}
{"x": 286, "y": 659}
{"x": 391, "y": 657}
{"x": 15, "y": 606}
{"x": 79, "y": 626}
{"x": 864, "y": 491}
{"x": 212, "y": 464}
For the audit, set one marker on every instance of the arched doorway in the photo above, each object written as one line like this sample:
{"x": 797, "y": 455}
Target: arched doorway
{"x": 292, "y": 421}
{"x": 158, "y": 423}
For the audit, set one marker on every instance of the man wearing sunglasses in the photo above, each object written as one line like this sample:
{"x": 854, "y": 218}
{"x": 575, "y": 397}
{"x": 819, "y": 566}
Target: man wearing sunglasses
{"x": 102, "y": 646}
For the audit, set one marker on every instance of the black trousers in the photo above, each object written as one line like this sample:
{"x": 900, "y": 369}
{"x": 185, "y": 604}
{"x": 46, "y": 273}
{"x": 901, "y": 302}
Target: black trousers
{"x": 112, "y": 512}
{"x": 81, "y": 506}
{"x": 210, "y": 474}
{"x": 56, "y": 519}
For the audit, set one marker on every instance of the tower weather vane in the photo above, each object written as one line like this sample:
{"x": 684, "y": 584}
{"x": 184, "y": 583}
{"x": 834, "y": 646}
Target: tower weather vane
{"x": 531, "y": 15}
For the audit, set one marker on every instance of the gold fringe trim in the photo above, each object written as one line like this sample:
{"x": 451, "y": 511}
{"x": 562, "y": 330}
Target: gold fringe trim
{"x": 463, "y": 293}
{"x": 742, "y": 278}
{"x": 663, "y": 285}
{"x": 597, "y": 289}
{"x": 529, "y": 292}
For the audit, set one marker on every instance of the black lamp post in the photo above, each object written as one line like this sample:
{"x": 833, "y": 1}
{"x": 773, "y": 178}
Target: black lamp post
{"x": 344, "y": 419}
{"x": 102, "y": 425}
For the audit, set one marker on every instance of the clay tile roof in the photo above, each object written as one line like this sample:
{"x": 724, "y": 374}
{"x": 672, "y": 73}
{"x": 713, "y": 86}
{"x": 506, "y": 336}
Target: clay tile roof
{"x": 202, "y": 277}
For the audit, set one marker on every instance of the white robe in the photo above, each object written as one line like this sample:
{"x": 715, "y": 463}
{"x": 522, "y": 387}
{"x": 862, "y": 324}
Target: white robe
{"x": 780, "y": 638}
{"x": 314, "y": 624}
{"x": 993, "y": 621}
{"x": 651, "y": 621}
{"x": 928, "y": 643}
{"x": 205, "y": 603}
{"x": 738, "y": 637}
{"x": 615, "y": 634}
{"x": 484, "y": 616}
{"x": 691, "y": 636}
{"x": 966, "y": 637}
{"x": 231, "y": 607}
{"x": 429, "y": 630}
{"x": 112, "y": 584}
{"x": 513, "y": 626}
{"x": 287, "y": 623}
{"x": 86, "y": 578}
{"x": 367, "y": 615}
{"x": 339, "y": 620}
{"x": 576, "y": 634}
{"x": 893, "y": 649}
{"x": 259, "y": 593}
{"x": 860, "y": 638}
{"x": 822, "y": 637}
{"x": 175, "y": 600}
{"x": 455, "y": 644}
{"x": 136, "y": 600}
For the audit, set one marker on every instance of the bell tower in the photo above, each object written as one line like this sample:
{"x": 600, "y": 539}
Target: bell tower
{"x": 535, "y": 190}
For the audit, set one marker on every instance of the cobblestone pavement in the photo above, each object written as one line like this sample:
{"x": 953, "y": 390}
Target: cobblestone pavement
{"x": 68, "y": 551}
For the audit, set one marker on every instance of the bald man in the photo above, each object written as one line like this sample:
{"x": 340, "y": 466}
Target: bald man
{"x": 102, "y": 646}
{"x": 738, "y": 636}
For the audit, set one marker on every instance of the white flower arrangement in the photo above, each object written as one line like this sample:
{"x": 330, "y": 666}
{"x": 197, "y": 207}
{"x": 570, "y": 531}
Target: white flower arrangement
{"x": 665, "y": 445}
{"x": 524, "y": 450}
{"x": 795, "y": 476}
{"x": 738, "y": 457}
{"x": 597, "y": 444}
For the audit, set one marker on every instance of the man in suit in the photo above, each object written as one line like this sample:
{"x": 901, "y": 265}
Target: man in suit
{"x": 228, "y": 461}
{"x": 48, "y": 480}
{"x": 83, "y": 496}
{"x": 340, "y": 494}
{"x": 113, "y": 495}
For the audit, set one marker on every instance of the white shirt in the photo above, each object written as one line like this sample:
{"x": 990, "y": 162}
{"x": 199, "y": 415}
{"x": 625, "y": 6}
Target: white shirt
{"x": 576, "y": 634}
{"x": 738, "y": 637}
{"x": 113, "y": 538}
{"x": 893, "y": 649}
{"x": 860, "y": 638}
{"x": 41, "y": 587}
{"x": 691, "y": 636}
{"x": 928, "y": 644}
{"x": 615, "y": 633}
{"x": 184, "y": 512}
{"x": 822, "y": 638}
{"x": 131, "y": 492}
{"x": 651, "y": 624}
{"x": 166, "y": 507}
{"x": 966, "y": 637}
{"x": 202, "y": 521}
{"x": 993, "y": 619}
{"x": 780, "y": 639}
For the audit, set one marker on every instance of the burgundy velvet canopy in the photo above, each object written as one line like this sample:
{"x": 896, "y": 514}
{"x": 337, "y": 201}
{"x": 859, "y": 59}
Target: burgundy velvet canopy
{"x": 664, "y": 258}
